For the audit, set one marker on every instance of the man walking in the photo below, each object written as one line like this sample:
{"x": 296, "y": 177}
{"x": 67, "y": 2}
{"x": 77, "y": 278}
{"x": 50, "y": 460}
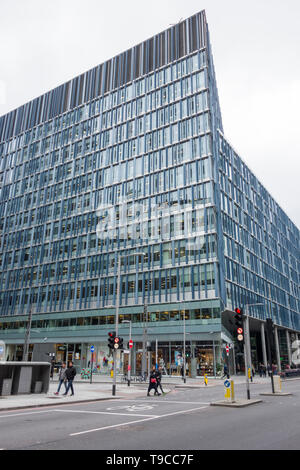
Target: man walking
{"x": 62, "y": 378}
{"x": 226, "y": 372}
{"x": 158, "y": 377}
{"x": 70, "y": 375}
{"x": 153, "y": 382}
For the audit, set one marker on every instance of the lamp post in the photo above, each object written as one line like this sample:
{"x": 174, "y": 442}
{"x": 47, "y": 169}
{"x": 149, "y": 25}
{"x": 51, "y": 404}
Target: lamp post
{"x": 27, "y": 337}
{"x": 117, "y": 314}
{"x": 184, "y": 356}
{"x": 129, "y": 355}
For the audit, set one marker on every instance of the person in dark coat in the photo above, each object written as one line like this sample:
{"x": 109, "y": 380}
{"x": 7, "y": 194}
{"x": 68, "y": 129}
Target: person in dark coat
{"x": 153, "y": 382}
{"x": 158, "y": 375}
{"x": 70, "y": 375}
{"x": 226, "y": 372}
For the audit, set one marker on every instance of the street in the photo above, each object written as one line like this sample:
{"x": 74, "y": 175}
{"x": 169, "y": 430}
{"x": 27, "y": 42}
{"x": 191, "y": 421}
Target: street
{"x": 182, "y": 419}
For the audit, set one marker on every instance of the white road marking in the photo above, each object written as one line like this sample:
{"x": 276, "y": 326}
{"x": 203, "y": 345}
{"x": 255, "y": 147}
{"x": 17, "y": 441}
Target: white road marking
{"x": 112, "y": 426}
{"x": 138, "y": 421}
{"x": 102, "y": 413}
{"x": 132, "y": 407}
{"x": 168, "y": 401}
{"x": 25, "y": 413}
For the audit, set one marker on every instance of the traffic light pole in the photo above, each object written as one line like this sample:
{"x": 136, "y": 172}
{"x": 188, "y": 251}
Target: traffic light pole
{"x": 117, "y": 316}
{"x": 246, "y": 356}
{"x": 114, "y": 386}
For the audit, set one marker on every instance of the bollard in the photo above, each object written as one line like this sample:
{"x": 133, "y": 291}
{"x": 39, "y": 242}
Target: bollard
{"x": 277, "y": 384}
{"x": 227, "y": 387}
{"x": 205, "y": 379}
{"x": 232, "y": 391}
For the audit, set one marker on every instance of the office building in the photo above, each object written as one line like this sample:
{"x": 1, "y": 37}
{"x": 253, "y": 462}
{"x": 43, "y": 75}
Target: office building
{"x": 128, "y": 163}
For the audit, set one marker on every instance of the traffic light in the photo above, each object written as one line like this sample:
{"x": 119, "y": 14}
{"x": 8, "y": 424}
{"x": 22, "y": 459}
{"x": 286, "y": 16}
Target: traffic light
{"x": 239, "y": 328}
{"x": 188, "y": 352}
{"x": 111, "y": 338}
{"x": 116, "y": 342}
{"x": 121, "y": 346}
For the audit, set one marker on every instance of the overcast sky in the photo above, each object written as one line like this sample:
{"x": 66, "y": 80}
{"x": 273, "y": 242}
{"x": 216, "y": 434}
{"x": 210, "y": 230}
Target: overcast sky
{"x": 256, "y": 48}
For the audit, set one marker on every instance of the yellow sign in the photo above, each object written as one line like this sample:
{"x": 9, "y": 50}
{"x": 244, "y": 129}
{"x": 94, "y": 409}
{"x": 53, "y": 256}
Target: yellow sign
{"x": 249, "y": 373}
{"x": 205, "y": 379}
{"x": 227, "y": 393}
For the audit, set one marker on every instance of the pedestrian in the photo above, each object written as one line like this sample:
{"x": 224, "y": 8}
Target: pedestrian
{"x": 153, "y": 382}
{"x": 259, "y": 369}
{"x": 70, "y": 375}
{"x": 62, "y": 379}
{"x": 226, "y": 372}
{"x": 158, "y": 378}
{"x": 52, "y": 368}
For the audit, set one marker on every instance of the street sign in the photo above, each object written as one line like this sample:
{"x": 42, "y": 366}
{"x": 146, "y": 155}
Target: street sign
{"x": 227, "y": 349}
{"x": 240, "y": 331}
{"x": 130, "y": 343}
{"x": 227, "y": 384}
{"x": 92, "y": 348}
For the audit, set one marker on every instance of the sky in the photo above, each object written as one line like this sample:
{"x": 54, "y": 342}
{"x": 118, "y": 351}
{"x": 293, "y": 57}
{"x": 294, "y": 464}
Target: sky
{"x": 256, "y": 49}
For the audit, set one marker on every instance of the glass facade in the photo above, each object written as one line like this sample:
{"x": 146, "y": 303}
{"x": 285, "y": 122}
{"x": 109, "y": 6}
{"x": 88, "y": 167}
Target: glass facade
{"x": 129, "y": 160}
{"x": 261, "y": 244}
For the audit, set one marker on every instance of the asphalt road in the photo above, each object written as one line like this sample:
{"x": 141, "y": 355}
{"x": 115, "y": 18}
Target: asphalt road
{"x": 180, "y": 420}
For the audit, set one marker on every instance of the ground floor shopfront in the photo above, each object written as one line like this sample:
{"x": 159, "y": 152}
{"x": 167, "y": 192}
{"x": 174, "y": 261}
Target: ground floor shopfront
{"x": 209, "y": 344}
{"x": 202, "y": 357}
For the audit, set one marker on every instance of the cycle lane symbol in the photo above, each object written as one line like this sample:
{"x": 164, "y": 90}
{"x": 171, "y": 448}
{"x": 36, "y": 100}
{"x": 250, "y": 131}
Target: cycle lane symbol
{"x": 132, "y": 408}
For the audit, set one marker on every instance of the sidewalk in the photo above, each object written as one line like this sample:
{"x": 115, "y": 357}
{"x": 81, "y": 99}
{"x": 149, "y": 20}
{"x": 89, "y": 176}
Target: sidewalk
{"x": 101, "y": 389}
{"x": 84, "y": 391}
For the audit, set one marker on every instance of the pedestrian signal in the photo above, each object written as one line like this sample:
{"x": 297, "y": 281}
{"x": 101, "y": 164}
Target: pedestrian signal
{"x": 111, "y": 338}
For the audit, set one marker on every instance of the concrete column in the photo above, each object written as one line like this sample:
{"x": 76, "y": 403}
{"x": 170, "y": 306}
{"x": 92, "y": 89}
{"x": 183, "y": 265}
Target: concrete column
{"x": 288, "y": 343}
{"x": 263, "y": 343}
{"x": 277, "y": 349}
{"x": 193, "y": 361}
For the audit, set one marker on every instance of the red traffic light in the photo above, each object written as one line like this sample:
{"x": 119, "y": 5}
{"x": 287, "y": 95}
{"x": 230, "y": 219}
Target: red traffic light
{"x": 238, "y": 310}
